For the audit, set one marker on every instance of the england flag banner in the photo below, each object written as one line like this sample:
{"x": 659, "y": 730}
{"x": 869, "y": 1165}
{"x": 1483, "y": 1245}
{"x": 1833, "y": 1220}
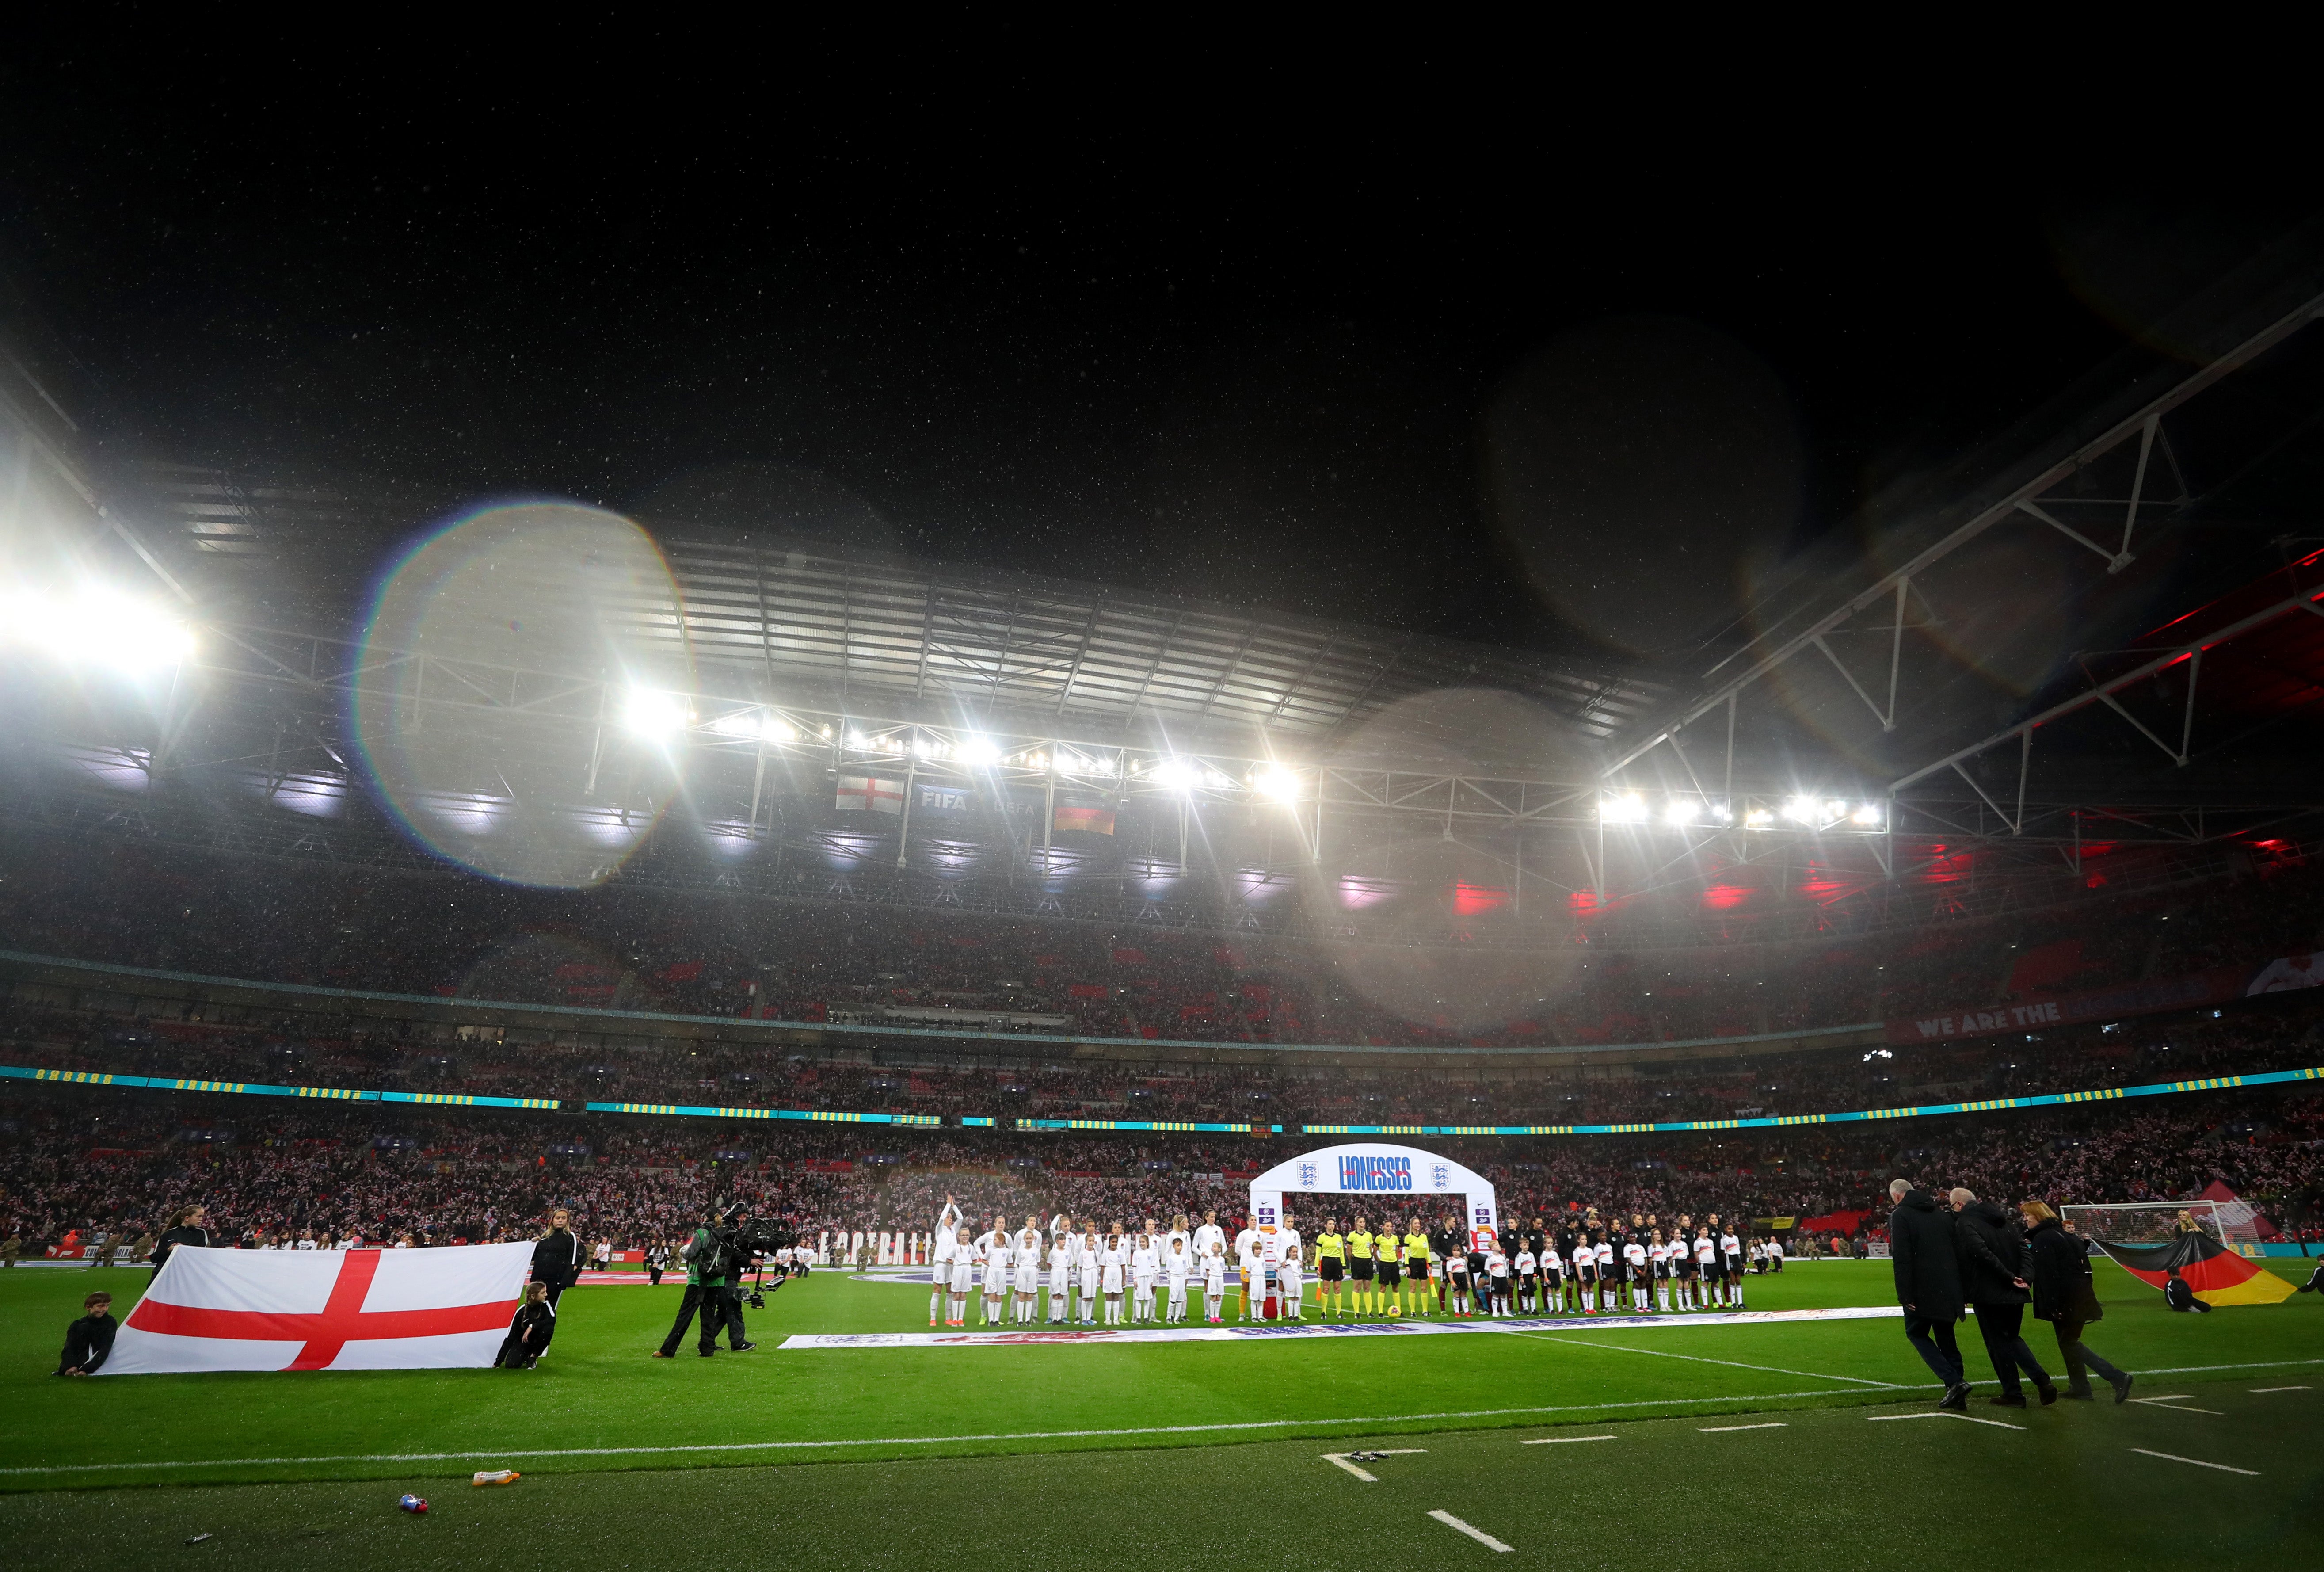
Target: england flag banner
{"x": 323, "y": 1309}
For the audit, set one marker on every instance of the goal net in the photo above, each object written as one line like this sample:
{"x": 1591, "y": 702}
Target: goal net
{"x": 2231, "y": 1223}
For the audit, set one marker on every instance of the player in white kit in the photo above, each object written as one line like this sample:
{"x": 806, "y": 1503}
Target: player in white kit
{"x": 1634, "y": 1262}
{"x": 1089, "y": 1256}
{"x": 1114, "y": 1264}
{"x": 1028, "y": 1257}
{"x": 1214, "y": 1283}
{"x": 999, "y": 1256}
{"x": 1176, "y": 1269}
{"x": 963, "y": 1280}
{"x": 1061, "y": 1268}
{"x": 947, "y": 1247}
{"x": 1145, "y": 1267}
{"x": 1289, "y": 1276}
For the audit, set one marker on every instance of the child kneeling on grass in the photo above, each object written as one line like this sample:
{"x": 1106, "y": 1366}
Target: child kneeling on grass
{"x": 89, "y": 1339}
{"x": 529, "y": 1334}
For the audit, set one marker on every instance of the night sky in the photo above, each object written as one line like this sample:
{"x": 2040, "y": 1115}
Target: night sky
{"x": 1347, "y": 358}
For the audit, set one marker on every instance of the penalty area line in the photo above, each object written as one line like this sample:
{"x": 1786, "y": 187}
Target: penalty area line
{"x": 1385, "y": 1423}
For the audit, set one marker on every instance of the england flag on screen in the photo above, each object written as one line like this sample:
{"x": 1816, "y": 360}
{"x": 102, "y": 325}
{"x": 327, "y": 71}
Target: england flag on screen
{"x": 323, "y": 1309}
{"x": 870, "y": 794}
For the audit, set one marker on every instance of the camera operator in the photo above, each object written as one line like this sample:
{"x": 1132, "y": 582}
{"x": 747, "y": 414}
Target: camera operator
{"x": 706, "y": 1283}
{"x": 741, "y": 1249}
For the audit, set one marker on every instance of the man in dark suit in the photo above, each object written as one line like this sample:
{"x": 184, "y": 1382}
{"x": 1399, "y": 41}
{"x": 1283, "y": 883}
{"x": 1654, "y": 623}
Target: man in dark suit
{"x": 1993, "y": 1266}
{"x": 1928, "y": 1285}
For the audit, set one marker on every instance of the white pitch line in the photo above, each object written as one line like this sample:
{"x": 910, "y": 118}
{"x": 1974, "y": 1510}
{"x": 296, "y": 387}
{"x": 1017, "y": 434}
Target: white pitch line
{"x": 1340, "y": 1460}
{"x": 2178, "y": 1408}
{"x": 1479, "y": 1535}
{"x": 1373, "y": 1423}
{"x": 2198, "y": 1462}
{"x": 2260, "y": 1389}
{"x": 1944, "y": 1414}
{"x": 1704, "y": 1359}
{"x": 1727, "y": 1430}
{"x": 2206, "y": 1369}
{"x": 1562, "y": 1440}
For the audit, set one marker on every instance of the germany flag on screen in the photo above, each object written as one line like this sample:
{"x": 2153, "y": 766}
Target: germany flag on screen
{"x": 2217, "y": 1275}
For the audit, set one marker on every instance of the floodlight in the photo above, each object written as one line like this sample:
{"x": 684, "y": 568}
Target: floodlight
{"x": 97, "y": 627}
{"x": 1680, "y": 811}
{"x": 977, "y": 751}
{"x": 1629, "y": 808}
{"x": 1835, "y": 810}
{"x": 1801, "y": 810}
{"x": 1758, "y": 818}
{"x": 1276, "y": 781}
{"x": 1175, "y": 775}
{"x": 647, "y": 712}
{"x": 1868, "y": 816}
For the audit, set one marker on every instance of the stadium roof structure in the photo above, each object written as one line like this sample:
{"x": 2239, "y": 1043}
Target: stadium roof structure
{"x": 2110, "y": 611}
{"x": 2112, "y": 614}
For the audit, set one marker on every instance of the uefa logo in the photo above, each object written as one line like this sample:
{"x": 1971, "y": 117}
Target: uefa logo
{"x": 1307, "y": 1176}
{"x": 1438, "y": 1175}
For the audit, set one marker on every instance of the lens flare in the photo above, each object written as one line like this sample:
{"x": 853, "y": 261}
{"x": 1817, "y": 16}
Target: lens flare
{"x": 523, "y": 692}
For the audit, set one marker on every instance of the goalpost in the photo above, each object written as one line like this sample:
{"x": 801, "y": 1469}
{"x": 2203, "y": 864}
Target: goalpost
{"x": 2157, "y": 1222}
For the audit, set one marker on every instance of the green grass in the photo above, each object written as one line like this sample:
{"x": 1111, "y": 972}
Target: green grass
{"x": 602, "y": 1403}
{"x": 1828, "y": 1488}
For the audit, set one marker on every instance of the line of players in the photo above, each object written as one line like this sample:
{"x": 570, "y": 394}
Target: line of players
{"x": 1592, "y": 1267}
{"x": 1589, "y": 1267}
{"x": 1125, "y": 1273}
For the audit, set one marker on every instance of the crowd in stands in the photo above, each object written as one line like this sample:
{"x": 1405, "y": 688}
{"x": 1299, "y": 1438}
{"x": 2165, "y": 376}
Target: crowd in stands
{"x": 642, "y": 948}
{"x": 282, "y": 1049}
{"x": 76, "y": 1159}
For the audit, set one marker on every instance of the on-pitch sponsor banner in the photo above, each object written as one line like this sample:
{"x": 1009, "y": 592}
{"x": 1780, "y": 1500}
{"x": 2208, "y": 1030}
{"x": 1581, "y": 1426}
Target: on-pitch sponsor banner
{"x": 1276, "y": 1331}
{"x": 323, "y": 1309}
{"x": 2212, "y": 987}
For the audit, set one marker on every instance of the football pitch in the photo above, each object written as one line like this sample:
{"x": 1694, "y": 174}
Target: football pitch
{"x": 1775, "y": 1443}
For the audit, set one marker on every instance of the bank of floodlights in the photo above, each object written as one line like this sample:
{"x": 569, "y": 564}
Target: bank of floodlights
{"x": 1688, "y": 811}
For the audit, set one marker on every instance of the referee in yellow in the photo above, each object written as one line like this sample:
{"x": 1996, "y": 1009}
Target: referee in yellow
{"x": 1387, "y": 1267}
{"x": 1415, "y": 1262}
{"x": 1331, "y": 1265}
{"x": 1359, "y": 1265}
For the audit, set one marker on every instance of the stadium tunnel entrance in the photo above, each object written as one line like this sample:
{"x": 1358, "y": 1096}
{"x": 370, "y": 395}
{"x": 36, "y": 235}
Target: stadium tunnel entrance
{"x": 1404, "y": 1178}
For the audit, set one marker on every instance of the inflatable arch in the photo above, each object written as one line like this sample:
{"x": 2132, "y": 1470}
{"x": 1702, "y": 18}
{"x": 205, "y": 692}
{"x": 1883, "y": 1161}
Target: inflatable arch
{"x": 1404, "y": 1179}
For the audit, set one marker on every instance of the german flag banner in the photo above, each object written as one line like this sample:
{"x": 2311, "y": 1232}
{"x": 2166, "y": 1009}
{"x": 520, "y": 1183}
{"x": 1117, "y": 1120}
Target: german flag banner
{"x": 2217, "y": 1274}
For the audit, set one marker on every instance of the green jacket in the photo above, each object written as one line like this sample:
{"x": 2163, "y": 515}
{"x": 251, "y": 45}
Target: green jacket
{"x": 693, "y": 1271}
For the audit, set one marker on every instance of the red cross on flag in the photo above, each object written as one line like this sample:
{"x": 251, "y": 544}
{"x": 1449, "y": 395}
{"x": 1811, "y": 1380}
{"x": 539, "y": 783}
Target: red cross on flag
{"x": 323, "y": 1309}
{"x": 870, "y": 794}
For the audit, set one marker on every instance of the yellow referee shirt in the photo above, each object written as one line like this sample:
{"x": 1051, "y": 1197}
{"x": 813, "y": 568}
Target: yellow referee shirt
{"x": 1360, "y": 1246}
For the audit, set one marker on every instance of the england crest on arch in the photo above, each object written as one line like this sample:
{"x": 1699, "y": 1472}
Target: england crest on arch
{"x": 1438, "y": 1175}
{"x": 1307, "y": 1176}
